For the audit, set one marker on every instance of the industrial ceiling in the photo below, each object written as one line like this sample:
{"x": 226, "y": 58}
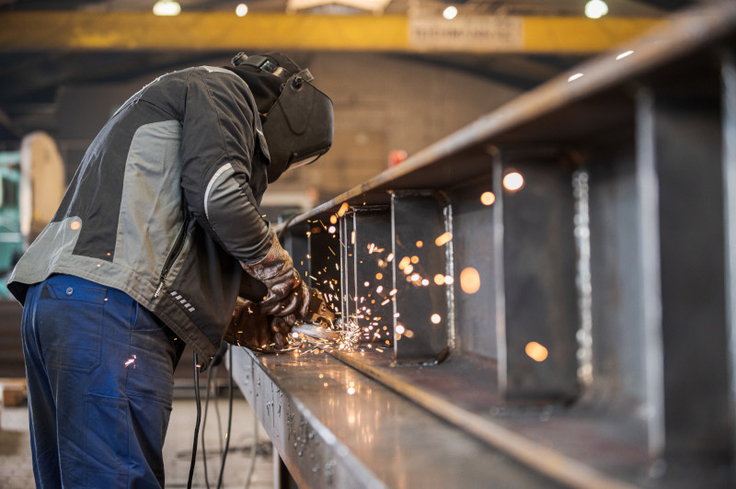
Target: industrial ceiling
{"x": 53, "y": 43}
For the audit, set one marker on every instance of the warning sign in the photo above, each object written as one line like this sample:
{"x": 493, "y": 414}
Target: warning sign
{"x": 485, "y": 33}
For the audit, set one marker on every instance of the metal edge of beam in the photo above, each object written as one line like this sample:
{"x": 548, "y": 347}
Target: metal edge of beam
{"x": 545, "y": 460}
{"x": 219, "y": 30}
{"x": 684, "y": 34}
{"x": 340, "y": 465}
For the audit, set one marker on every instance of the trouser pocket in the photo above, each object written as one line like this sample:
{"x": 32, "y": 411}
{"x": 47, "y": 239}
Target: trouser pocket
{"x": 69, "y": 319}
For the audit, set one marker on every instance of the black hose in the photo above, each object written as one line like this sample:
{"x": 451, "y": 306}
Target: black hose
{"x": 196, "y": 426}
{"x": 204, "y": 425}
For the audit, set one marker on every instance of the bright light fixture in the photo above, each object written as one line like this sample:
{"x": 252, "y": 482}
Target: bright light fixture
{"x": 450, "y": 12}
{"x": 166, "y": 8}
{"x": 241, "y": 10}
{"x": 595, "y": 9}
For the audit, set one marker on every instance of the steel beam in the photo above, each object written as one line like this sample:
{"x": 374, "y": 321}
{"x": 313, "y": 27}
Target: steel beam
{"x": 688, "y": 129}
{"x": 218, "y": 31}
{"x": 615, "y": 256}
{"x": 420, "y": 301}
{"x": 369, "y": 269}
{"x": 539, "y": 298}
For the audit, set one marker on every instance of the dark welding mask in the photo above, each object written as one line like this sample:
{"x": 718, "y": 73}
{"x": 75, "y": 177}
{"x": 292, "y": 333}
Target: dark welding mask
{"x": 299, "y": 126}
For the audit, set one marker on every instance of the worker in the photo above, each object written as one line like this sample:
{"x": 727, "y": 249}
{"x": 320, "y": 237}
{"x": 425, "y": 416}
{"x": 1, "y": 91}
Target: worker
{"x": 146, "y": 253}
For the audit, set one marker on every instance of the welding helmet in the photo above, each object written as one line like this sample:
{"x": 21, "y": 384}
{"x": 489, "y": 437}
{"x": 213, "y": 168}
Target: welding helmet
{"x": 298, "y": 123}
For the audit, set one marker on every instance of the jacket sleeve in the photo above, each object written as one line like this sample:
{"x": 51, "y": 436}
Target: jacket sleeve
{"x": 217, "y": 151}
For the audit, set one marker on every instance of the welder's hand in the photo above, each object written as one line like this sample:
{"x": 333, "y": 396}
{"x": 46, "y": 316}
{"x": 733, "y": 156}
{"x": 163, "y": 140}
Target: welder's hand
{"x": 276, "y": 270}
{"x": 293, "y": 306}
{"x": 250, "y": 328}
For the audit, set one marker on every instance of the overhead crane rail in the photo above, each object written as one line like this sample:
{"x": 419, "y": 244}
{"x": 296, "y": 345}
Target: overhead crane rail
{"x": 555, "y": 283}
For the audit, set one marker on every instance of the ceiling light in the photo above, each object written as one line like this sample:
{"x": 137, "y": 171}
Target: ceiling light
{"x": 450, "y": 12}
{"x": 595, "y": 9}
{"x": 241, "y": 10}
{"x": 166, "y": 8}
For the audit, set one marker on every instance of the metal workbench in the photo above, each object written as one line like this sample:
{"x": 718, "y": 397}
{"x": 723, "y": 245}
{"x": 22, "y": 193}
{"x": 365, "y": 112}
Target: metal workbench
{"x": 577, "y": 331}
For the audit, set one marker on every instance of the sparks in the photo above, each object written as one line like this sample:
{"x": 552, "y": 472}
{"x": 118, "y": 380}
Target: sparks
{"x": 443, "y": 239}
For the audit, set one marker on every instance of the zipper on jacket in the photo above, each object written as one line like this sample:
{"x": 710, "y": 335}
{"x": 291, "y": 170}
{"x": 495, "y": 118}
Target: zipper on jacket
{"x": 173, "y": 254}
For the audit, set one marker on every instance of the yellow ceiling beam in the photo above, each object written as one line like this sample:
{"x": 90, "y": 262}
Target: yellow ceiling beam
{"x": 20, "y": 31}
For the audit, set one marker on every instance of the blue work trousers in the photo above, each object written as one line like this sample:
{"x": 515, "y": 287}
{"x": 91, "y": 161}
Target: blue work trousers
{"x": 100, "y": 371}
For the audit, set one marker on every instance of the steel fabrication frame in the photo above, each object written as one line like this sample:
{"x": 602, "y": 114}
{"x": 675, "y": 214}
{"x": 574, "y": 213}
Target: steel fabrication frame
{"x": 576, "y": 331}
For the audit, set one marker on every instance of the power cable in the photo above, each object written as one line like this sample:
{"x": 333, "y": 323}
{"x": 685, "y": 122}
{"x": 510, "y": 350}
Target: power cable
{"x": 204, "y": 426}
{"x": 196, "y": 426}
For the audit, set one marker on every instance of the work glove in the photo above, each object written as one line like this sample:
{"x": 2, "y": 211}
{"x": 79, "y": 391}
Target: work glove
{"x": 250, "y": 328}
{"x": 288, "y": 295}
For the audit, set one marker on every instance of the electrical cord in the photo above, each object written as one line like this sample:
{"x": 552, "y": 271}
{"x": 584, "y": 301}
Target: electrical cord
{"x": 204, "y": 425}
{"x": 196, "y": 426}
{"x": 219, "y": 418}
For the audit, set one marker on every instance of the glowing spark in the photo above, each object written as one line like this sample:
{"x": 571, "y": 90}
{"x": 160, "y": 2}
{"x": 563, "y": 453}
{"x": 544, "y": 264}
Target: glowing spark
{"x": 513, "y": 181}
{"x": 443, "y": 239}
{"x": 404, "y": 262}
{"x": 352, "y": 237}
{"x": 536, "y": 352}
{"x": 343, "y": 209}
{"x": 470, "y": 280}
{"x": 379, "y": 276}
{"x": 420, "y": 244}
{"x": 408, "y": 269}
{"x": 390, "y": 257}
{"x": 331, "y": 250}
{"x": 385, "y": 302}
{"x": 367, "y": 284}
{"x": 439, "y": 279}
{"x": 449, "y": 280}
{"x": 409, "y": 333}
{"x": 332, "y": 229}
{"x": 415, "y": 259}
{"x": 415, "y": 277}
{"x": 436, "y": 318}
{"x": 400, "y": 329}
{"x": 131, "y": 360}
{"x": 379, "y": 289}
{"x": 487, "y": 198}
{"x": 393, "y": 292}
{"x": 333, "y": 219}
{"x": 425, "y": 282}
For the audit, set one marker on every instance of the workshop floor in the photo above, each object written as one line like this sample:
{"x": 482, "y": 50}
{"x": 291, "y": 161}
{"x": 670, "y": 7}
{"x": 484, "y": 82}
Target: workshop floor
{"x": 15, "y": 462}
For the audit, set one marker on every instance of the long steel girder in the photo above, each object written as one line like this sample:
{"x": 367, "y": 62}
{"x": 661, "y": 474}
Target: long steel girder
{"x": 32, "y": 31}
{"x": 614, "y": 257}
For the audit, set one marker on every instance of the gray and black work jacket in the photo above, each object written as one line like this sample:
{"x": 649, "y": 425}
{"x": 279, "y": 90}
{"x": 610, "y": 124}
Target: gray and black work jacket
{"x": 165, "y": 204}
